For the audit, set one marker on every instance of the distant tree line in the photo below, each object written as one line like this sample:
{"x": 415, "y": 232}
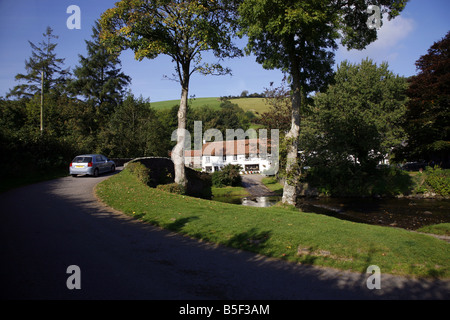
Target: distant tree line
{"x": 244, "y": 94}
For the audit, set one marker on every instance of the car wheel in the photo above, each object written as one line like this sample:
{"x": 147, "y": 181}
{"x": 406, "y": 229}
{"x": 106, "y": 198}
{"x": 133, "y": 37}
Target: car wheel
{"x": 74, "y": 175}
{"x": 113, "y": 168}
{"x": 96, "y": 172}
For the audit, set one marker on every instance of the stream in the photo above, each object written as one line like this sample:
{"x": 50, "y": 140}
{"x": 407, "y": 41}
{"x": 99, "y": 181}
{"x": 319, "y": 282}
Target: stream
{"x": 404, "y": 213}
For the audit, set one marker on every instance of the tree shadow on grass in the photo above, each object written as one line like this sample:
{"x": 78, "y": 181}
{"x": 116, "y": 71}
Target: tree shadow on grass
{"x": 251, "y": 240}
{"x": 178, "y": 224}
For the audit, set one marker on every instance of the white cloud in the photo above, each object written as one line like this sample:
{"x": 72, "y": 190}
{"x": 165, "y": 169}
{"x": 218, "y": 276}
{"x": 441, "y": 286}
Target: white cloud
{"x": 392, "y": 32}
{"x": 385, "y": 48}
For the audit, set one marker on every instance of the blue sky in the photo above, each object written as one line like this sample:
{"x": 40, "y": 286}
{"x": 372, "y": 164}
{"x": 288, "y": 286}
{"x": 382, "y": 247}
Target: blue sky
{"x": 400, "y": 42}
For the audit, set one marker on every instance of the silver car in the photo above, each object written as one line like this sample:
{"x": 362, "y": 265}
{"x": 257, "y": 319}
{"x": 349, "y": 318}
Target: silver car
{"x": 91, "y": 164}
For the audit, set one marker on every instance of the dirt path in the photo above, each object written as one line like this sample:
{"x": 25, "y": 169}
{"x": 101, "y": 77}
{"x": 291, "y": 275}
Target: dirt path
{"x": 253, "y": 184}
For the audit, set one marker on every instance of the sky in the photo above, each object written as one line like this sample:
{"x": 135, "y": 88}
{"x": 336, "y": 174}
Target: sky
{"x": 400, "y": 43}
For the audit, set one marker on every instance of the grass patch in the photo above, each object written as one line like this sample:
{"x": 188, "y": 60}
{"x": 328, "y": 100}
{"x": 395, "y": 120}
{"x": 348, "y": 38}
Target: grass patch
{"x": 442, "y": 229}
{"x": 279, "y": 232}
{"x": 229, "y": 192}
{"x": 273, "y": 184}
{"x": 194, "y": 103}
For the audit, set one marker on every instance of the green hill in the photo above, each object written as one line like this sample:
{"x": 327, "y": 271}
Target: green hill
{"x": 248, "y": 104}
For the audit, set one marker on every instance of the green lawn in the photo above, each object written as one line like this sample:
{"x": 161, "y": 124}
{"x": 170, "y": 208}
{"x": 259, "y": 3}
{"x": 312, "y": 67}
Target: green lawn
{"x": 284, "y": 233}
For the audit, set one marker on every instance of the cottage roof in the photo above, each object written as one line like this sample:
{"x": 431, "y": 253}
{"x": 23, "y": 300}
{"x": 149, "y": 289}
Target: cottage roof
{"x": 231, "y": 147}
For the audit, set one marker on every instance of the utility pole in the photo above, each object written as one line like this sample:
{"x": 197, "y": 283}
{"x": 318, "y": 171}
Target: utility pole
{"x": 42, "y": 101}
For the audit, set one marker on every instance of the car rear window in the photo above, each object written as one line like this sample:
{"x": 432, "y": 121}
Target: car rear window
{"x": 82, "y": 159}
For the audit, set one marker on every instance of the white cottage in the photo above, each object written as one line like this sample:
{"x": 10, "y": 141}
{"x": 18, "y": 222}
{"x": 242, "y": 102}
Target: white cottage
{"x": 253, "y": 155}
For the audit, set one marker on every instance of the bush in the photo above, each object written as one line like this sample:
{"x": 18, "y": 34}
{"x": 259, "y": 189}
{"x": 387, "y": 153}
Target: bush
{"x": 438, "y": 180}
{"x": 140, "y": 171}
{"x": 228, "y": 176}
{"x": 172, "y": 188}
{"x": 353, "y": 181}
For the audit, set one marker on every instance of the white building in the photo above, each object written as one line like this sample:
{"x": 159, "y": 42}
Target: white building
{"x": 253, "y": 155}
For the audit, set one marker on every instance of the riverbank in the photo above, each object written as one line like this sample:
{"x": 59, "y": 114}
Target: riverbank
{"x": 281, "y": 232}
{"x": 413, "y": 212}
{"x": 386, "y": 182}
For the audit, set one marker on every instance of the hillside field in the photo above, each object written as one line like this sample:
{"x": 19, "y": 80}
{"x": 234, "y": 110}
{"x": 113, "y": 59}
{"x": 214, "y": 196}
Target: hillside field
{"x": 248, "y": 104}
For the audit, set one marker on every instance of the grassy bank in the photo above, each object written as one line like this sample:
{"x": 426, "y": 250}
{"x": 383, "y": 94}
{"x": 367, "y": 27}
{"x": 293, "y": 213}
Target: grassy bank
{"x": 279, "y": 232}
{"x": 442, "y": 229}
{"x": 273, "y": 185}
{"x": 248, "y": 104}
{"x": 229, "y": 192}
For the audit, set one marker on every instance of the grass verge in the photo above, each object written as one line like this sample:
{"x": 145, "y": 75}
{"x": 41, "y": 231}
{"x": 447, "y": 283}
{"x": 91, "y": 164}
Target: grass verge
{"x": 442, "y": 229}
{"x": 229, "y": 192}
{"x": 273, "y": 185}
{"x": 281, "y": 232}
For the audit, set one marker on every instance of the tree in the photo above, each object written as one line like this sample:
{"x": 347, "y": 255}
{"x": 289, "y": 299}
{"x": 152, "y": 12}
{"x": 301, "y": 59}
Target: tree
{"x": 355, "y": 124}
{"x": 182, "y": 30}
{"x": 99, "y": 78}
{"x": 299, "y": 37}
{"x": 43, "y": 59}
{"x": 280, "y": 108}
{"x": 134, "y": 130}
{"x": 427, "y": 116}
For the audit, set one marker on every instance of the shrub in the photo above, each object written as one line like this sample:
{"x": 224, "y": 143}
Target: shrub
{"x": 228, "y": 176}
{"x": 438, "y": 179}
{"x": 140, "y": 171}
{"x": 353, "y": 181}
{"x": 172, "y": 188}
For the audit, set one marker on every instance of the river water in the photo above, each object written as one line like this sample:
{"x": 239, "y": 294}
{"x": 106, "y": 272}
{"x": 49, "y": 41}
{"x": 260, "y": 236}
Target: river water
{"x": 403, "y": 213}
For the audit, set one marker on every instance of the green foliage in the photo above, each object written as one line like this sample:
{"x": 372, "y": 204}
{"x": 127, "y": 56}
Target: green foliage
{"x": 44, "y": 60}
{"x": 24, "y": 152}
{"x": 172, "y": 188}
{"x": 438, "y": 180}
{"x": 180, "y": 29}
{"x": 427, "y": 117}
{"x": 99, "y": 78}
{"x": 352, "y": 181}
{"x": 299, "y": 37}
{"x": 134, "y": 130}
{"x": 440, "y": 229}
{"x": 352, "y": 127}
{"x": 228, "y": 176}
{"x": 140, "y": 171}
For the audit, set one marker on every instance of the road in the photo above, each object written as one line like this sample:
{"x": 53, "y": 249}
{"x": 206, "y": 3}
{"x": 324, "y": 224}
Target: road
{"x": 49, "y": 226}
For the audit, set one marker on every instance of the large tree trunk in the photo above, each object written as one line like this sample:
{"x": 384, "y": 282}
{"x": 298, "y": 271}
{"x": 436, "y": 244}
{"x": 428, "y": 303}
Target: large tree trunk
{"x": 292, "y": 168}
{"x": 178, "y": 151}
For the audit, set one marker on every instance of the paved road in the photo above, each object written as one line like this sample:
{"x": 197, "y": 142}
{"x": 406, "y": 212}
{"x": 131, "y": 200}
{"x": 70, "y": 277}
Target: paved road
{"x": 49, "y": 226}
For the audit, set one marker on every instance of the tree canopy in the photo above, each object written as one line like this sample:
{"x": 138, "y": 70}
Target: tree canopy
{"x": 427, "y": 120}
{"x": 98, "y": 77}
{"x": 356, "y": 122}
